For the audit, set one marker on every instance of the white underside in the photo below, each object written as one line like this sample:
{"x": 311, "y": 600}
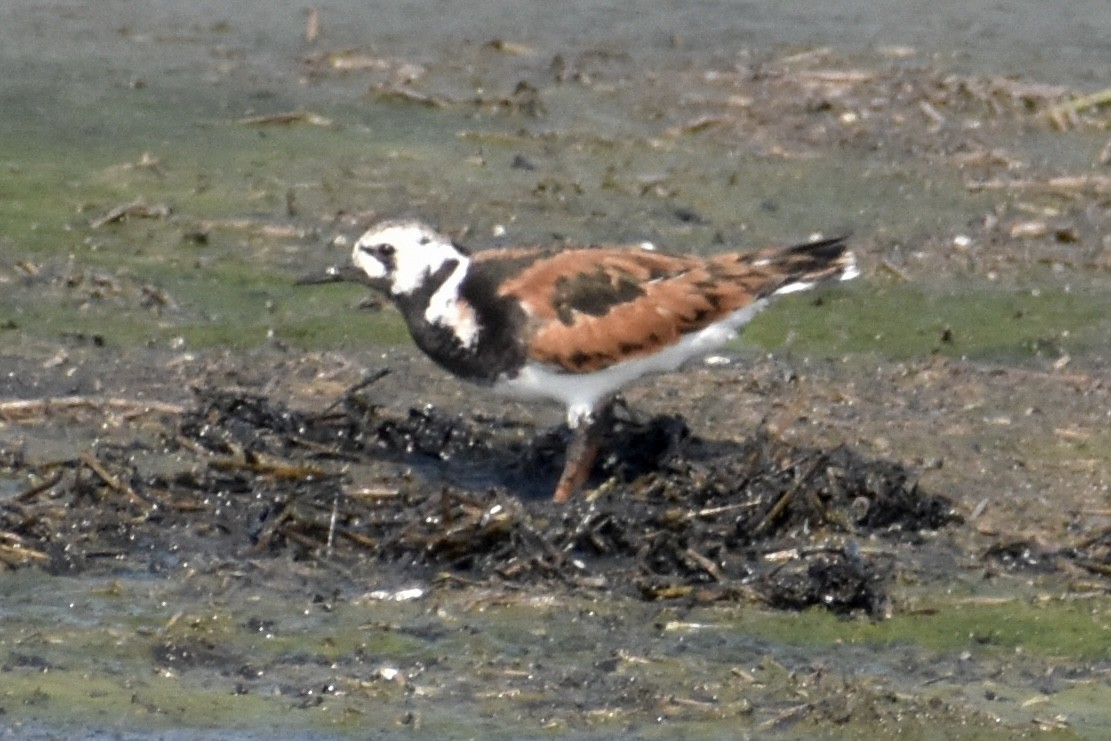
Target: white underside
{"x": 581, "y": 392}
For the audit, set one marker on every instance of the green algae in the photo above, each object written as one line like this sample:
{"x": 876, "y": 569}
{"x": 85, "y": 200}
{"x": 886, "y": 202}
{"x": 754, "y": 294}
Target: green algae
{"x": 231, "y": 280}
{"x": 1045, "y": 629}
{"x": 453, "y": 664}
{"x": 962, "y": 320}
{"x": 234, "y": 287}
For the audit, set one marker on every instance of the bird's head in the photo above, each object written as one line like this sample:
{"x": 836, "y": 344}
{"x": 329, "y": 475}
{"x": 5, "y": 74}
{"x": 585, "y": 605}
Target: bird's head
{"x": 399, "y": 256}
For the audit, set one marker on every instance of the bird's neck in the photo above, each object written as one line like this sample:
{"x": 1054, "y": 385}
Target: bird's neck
{"x": 413, "y": 302}
{"x": 463, "y": 325}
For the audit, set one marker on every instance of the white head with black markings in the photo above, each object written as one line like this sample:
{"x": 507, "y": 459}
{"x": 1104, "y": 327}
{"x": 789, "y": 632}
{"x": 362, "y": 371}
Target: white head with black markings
{"x": 399, "y": 256}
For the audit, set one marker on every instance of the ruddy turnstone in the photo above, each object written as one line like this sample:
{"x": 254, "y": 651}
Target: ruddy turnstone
{"x": 575, "y": 324}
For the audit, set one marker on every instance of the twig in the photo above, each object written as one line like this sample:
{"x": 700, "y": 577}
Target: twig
{"x": 369, "y": 379}
{"x": 276, "y": 469}
{"x": 34, "y": 491}
{"x": 712, "y": 511}
{"x": 1064, "y": 113}
{"x": 135, "y": 208}
{"x": 791, "y": 713}
{"x": 1063, "y": 184}
{"x": 113, "y": 481}
{"x": 390, "y": 93}
{"x": 696, "y": 125}
{"x": 290, "y": 117}
{"x": 332, "y": 525}
{"x": 836, "y": 76}
{"x": 16, "y": 553}
{"x": 1094, "y": 566}
{"x": 808, "y": 55}
{"x": 363, "y": 540}
{"x": 933, "y": 114}
{"x": 375, "y": 494}
{"x": 785, "y": 499}
{"x": 312, "y": 25}
{"x": 704, "y": 563}
{"x": 22, "y": 408}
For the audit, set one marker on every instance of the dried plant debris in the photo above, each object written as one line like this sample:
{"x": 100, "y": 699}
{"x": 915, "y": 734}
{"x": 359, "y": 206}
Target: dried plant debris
{"x": 465, "y": 500}
{"x": 1093, "y": 554}
{"x": 136, "y": 209}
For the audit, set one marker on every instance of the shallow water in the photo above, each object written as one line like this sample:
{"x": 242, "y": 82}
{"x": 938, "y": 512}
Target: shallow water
{"x": 105, "y": 103}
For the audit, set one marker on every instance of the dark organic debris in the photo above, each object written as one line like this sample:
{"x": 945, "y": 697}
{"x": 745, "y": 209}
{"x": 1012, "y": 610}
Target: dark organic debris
{"x": 1022, "y": 555}
{"x": 521, "y": 162}
{"x": 1093, "y": 554}
{"x": 840, "y": 579}
{"x": 673, "y": 515}
{"x": 523, "y": 100}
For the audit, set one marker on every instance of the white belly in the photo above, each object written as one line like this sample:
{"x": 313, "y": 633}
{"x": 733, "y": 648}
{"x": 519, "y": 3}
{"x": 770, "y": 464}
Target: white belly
{"x": 581, "y": 392}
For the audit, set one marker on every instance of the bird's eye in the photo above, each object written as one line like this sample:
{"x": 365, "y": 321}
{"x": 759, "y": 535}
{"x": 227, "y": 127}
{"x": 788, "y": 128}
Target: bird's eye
{"x": 382, "y": 250}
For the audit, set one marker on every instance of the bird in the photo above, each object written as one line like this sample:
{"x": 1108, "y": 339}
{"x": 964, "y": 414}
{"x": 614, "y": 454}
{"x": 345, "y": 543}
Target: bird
{"x": 575, "y": 324}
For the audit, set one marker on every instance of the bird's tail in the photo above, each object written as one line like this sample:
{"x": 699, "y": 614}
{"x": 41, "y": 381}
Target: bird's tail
{"x": 803, "y": 266}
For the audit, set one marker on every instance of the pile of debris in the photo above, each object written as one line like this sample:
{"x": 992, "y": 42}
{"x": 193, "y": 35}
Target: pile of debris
{"x": 447, "y": 497}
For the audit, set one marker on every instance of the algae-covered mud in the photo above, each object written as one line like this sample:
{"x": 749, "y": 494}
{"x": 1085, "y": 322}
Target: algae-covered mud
{"x": 235, "y": 507}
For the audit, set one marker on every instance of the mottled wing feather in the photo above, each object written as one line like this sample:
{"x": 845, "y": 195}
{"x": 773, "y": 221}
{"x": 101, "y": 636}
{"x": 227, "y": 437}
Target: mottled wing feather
{"x": 590, "y": 308}
{"x": 590, "y": 281}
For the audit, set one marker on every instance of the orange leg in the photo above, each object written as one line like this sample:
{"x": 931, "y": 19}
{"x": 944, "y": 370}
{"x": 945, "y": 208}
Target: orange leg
{"x": 580, "y": 459}
{"x": 581, "y": 454}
